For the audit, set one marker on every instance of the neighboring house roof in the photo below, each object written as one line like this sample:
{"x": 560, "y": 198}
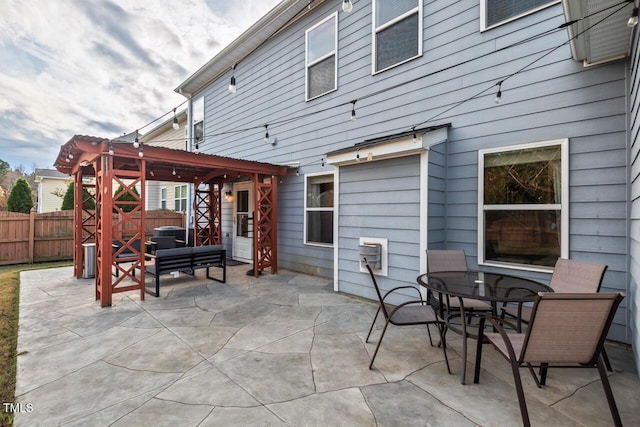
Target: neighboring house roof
{"x": 280, "y": 16}
{"x": 606, "y": 39}
{"x": 51, "y": 174}
{"x": 165, "y": 126}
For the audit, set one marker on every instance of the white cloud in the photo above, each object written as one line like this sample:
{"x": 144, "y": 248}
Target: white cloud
{"x": 101, "y": 67}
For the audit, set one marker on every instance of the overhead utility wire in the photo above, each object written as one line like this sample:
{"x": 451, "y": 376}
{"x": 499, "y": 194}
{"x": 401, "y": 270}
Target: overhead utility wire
{"x": 500, "y": 82}
{"x": 305, "y": 115}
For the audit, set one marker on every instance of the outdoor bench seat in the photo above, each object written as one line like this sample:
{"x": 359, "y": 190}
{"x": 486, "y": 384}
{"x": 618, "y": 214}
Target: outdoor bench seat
{"x": 187, "y": 260}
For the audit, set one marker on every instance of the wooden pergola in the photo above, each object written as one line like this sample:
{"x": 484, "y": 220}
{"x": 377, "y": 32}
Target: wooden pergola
{"x": 119, "y": 162}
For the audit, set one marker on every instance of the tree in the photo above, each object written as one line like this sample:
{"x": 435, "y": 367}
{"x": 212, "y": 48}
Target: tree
{"x": 67, "y": 202}
{"x": 20, "y": 198}
{"x": 4, "y": 168}
{"x": 126, "y": 197}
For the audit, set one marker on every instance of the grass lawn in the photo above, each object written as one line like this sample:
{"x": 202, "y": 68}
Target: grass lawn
{"x": 9, "y": 299}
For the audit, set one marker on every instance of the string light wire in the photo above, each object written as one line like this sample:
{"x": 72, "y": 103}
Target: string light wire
{"x": 618, "y": 6}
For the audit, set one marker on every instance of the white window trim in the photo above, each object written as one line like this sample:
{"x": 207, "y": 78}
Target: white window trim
{"x": 375, "y": 30}
{"x": 483, "y": 15}
{"x": 563, "y": 206}
{"x": 165, "y": 198}
{"x": 306, "y": 209}
{"x": 308, "y": 64}
{"x": 185, "y": 198}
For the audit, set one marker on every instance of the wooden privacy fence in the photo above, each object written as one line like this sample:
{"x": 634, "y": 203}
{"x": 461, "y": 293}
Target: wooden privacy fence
{"x": 27, "y": 238}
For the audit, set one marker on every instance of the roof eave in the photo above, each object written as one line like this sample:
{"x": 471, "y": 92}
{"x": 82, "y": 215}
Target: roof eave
{"x": 241, "y": 47}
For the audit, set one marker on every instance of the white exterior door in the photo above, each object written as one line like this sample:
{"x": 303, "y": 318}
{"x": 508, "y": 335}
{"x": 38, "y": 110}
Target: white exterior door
{"x": 243, "y": 208}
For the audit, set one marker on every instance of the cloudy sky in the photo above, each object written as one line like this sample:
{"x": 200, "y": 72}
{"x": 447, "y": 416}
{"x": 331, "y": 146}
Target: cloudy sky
{"x": 101, "y": 67}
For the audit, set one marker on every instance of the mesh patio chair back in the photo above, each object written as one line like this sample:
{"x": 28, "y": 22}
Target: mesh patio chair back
{"x": 446, "y": 260}
{"x": 569, "y": 328}
{"x": 571, "y": 276}
{"x": 566, "y": 330}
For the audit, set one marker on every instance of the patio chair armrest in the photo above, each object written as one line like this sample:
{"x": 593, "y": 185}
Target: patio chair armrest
{"x": 402, "y": 287}
{"x": 503, "y": 334}
{"x": 399, "y": 306}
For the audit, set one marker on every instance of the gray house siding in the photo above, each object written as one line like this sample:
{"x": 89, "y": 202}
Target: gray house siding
{"x": 555, "y": 97}
{"x": 379, "y": 199}
{"x": 633, "y": 295}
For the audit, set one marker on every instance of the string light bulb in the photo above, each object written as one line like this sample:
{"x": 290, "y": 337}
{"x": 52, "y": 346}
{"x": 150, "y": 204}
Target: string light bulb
{"x": 347, "y": 6}
{"x": 174, "y": 171}
{"x": 140, "y": 153}
{"x": 197, "y": 148}
{"x": 298, "y": 172}
{"x": 499, "y": 94}
{"x": 266, "y": 133}
{"x": 176, "y": 125}
{"x": 353, "y": 110}
{"x": 232, "y": 84}
{"x": 633, "y": 19}
{"x": 415, "y": 135}
{"x": 110, "y": 148}
{"x": 70, "y": 155}
{"x": 136, "y": 142}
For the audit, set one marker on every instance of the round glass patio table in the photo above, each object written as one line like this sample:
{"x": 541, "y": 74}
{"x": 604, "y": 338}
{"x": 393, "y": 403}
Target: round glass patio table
{"x": 492, "y": 288}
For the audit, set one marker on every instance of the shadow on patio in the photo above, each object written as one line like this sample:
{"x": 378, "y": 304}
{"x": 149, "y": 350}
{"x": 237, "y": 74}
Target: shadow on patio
{"x": 277, "y": 350}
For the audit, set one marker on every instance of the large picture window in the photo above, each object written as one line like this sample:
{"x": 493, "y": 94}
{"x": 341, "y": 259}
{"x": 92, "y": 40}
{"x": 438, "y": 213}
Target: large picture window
{"x": 321, "y": 62}
{"x": 523, "y": 206}
{"x": 318, "y": 208}
{"x": 495, "y": 12}
{"x": 397, "y": 32}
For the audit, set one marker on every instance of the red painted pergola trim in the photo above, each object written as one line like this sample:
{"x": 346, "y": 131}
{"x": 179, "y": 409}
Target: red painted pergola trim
{"x": 88, "y": 156}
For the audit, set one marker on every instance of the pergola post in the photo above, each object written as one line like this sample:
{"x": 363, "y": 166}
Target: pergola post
{"x": 104, "y": 191}
{"x": 265, "y": 224}
{"x": 78, "y": 256}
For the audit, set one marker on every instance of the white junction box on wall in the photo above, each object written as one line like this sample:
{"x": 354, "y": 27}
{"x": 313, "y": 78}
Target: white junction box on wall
{"x": 377, "y": 249}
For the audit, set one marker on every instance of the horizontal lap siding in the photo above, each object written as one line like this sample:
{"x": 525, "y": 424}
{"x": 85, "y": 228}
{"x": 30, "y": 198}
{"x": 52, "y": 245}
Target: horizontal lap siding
{"x": 380, "y": 199}
{"x": 556, "y": 97}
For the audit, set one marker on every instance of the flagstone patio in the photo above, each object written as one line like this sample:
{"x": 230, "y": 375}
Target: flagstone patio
{"x": 277, "y": 350}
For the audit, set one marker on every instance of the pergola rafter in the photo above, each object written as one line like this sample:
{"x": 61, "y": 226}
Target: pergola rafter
{"x": 90, "y": 158}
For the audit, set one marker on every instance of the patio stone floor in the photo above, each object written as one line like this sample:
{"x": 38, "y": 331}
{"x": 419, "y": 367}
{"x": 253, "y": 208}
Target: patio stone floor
{"x": 279, "y": 350}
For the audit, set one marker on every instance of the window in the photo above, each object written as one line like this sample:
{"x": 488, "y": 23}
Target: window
{"x": 163, "y": 198}
{"x": 198, "y": 122}
{"x": 397, "y": 32}
{"x": 180, "y": 198}
{"x": 318, "y": 208}
{"x": 321, "y": 62}
{"x": 523, "y": 206}
{"x": 495, "y": 12}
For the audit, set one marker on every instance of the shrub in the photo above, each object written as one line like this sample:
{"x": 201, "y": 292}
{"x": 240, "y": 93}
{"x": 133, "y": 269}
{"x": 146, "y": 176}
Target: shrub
{"x": 67, "y": 203}
{"x": 125, "y": 197}
{"x": 20, "y": 198}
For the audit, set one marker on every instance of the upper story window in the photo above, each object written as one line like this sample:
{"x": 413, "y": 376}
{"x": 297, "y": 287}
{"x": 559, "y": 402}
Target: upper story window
{"x": 523, "y": 205}
{"x": 318, "y": 206}
{"x": 197, "y": 121}
{"x": 397, "y": 32}
{"x": 496, "y": 12}
{"x": 322, "y": 53}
